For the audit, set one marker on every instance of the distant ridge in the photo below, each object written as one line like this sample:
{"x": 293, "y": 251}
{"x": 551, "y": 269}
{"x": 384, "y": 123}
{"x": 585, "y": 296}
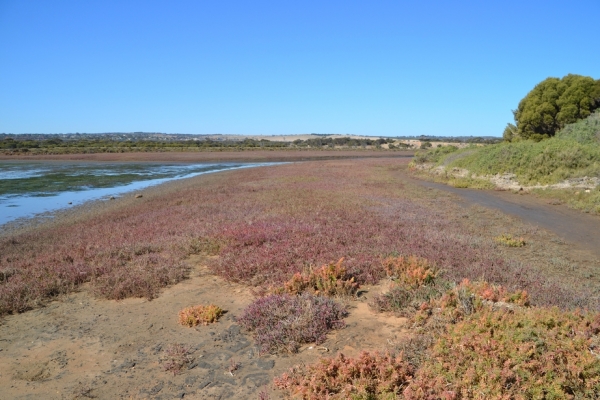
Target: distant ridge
{"x": 177, "y": 137}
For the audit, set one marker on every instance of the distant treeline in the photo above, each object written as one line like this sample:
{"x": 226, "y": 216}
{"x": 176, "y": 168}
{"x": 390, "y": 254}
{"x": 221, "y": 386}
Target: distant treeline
{"x": 47, "y": 144}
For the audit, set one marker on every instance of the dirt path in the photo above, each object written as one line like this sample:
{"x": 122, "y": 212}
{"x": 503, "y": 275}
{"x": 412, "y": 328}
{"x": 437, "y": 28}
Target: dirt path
{"x": 576, "y": 228}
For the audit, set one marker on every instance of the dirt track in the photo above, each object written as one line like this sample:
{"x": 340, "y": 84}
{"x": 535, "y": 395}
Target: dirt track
{"x": 579, "y": 229}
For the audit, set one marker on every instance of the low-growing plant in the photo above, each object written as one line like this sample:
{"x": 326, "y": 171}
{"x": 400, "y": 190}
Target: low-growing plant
{"x": 541, "y": 353}
{"x": 143, "y": 277}
{"x": 510, "y": 241}
{"x": 466, "y": 299}
{"x": 369, "y": 376}
{"x": 192, "y": 316}
{"x": 405, "y": 300}
{"x": 329, "y": 280}
{"x": 234, "y": 365}
{"x": 494, "y": 293}
{"x": 282, "y": 322}
{"x": 410, "y": 270}
{"x": 175, "y": 358}
{"x": 206, "y": 245}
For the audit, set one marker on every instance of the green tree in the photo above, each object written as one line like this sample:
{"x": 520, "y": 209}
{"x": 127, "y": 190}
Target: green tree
{"x": 510, "y": 132}
{"x": 552, "y": 104}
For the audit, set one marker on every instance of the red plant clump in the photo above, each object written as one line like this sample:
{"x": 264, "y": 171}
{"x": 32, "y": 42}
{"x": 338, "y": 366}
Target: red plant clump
{"x": 369, "y": 376}
{"x": 329, "y": 280}
{"x": 527, "y": 353}
{"x": 410, "y": 270}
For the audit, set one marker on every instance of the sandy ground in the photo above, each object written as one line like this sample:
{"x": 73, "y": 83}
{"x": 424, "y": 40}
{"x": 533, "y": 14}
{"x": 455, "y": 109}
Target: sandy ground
{"x": 83, "y": 347}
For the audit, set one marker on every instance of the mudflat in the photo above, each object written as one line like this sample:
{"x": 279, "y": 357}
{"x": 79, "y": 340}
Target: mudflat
{"x": 221, "y": 156}
{"x": 234, "y": 234}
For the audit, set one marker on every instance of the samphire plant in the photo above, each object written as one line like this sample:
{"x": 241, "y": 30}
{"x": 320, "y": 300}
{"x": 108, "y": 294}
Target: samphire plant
{"x": 329, "y": 280}
{"x": 196, "y": 315}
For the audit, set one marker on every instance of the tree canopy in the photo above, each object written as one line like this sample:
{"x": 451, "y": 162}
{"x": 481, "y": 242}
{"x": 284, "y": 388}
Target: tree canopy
{"x": 552, "y": 104}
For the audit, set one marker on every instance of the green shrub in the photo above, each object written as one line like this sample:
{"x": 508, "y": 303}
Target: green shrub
{"x": 433, "y": 155}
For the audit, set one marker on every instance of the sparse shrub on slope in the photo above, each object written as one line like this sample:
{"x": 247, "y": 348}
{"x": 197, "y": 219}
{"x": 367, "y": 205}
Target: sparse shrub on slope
{"x": 547, "y": 162}
{"x": 282, "y": 323}
{"x": 586, "y": 131}
{"x": 433, "y": 155}
{"x": 513, "y": 354}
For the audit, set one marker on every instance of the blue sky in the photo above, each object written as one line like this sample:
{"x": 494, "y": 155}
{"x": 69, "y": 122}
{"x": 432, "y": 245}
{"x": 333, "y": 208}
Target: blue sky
{"x": 389, "y": 68}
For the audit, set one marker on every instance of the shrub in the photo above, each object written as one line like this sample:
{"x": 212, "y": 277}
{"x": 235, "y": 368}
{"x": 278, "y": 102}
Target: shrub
{"x": 143, "y": 277}
{"x": 329, "y": 280}
{"x": 282, "y": 322}
{"x": 466, "y": 299}
{"x": 412, "y": 271}
{"x": 192, "y": 316}
{"x": 509, "y": 241}
{"x": 369, "y": 376}
{"x": 175, "y": 357}
{"x": 433, "y": 155}
{"x": 524, "y": 353}
{"x": 404, "y": 300}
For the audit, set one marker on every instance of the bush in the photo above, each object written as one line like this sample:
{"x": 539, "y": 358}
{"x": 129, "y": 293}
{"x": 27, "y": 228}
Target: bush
{"x": 192, "y": 316}
{"x": 433, "y": 155}
{"x": 466, "y": 299}
{"x": 410, "y": 270}
{"x": 370, "y": 376}
{"x": 404, "y": 300}
{"x": 509, "y": 241}
{"x": 281, "y": 322}
{"x": 518, "y": 354}
{"x": 175, "y": 358}
{"x": 586, "y": 131}
{"x": 329, "y": 280}
{"x": 555, "y": 102}
{"x": 143, "y": 277}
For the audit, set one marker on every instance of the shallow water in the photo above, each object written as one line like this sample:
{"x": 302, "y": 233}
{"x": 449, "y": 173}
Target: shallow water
{"x": 28, "y": 189}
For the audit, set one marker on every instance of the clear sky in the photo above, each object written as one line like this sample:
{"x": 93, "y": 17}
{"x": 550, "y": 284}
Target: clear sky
{"x": 389, "y": 68}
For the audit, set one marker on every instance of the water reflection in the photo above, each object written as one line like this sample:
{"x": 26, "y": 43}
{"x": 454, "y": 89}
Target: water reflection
{"x": 30, "y": 189}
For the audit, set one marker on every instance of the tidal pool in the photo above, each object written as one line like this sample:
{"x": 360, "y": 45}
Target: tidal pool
{"x": 28, "y": 189}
